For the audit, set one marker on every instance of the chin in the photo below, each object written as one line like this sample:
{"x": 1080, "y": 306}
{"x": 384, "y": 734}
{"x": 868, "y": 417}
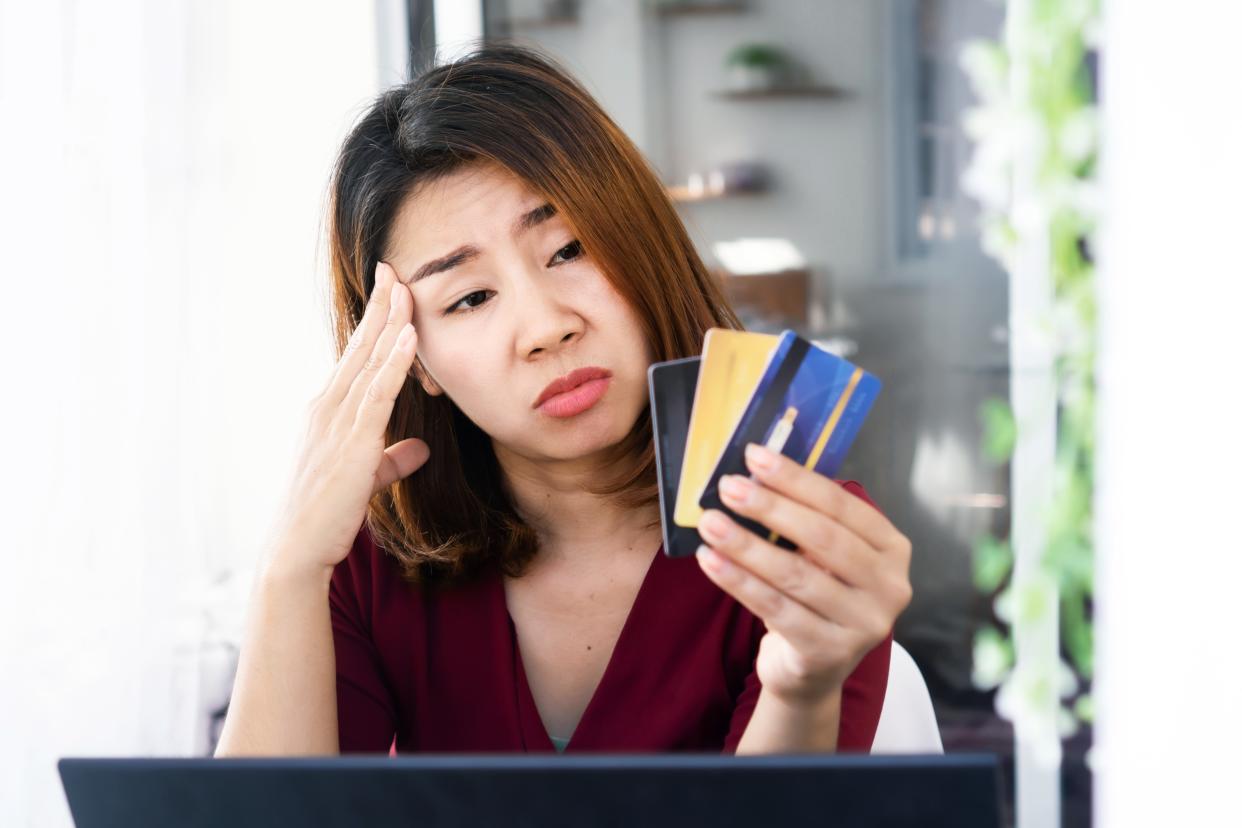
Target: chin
{"x": 587, "y": 433}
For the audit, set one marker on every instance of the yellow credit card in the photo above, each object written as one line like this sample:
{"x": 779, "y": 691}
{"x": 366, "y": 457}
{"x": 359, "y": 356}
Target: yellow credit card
{"x": 733, "y": 362}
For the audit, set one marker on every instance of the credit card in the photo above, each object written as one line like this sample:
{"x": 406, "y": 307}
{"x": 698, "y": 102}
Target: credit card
{"x": 671, "y": 388}
{"x": 733, "y": 362}
{"x": 807, "y": 405}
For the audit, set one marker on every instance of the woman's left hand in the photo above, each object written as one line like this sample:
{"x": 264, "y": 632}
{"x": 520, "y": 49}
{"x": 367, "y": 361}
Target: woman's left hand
{"x": 827, "y": 603}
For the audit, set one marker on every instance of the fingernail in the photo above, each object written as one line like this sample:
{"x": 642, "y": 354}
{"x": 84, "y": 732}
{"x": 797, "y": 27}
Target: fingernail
{"x": 710, "y": 559}
{"x": 407, "y": 333}
{"x": 736, "y": 488}
{"x": 715, "y": 526}
{"x": 394, "y": 296}
{"x": 760, "y": 458}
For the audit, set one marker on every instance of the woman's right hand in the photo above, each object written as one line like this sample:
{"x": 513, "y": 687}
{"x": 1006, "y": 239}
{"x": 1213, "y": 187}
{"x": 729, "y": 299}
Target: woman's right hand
{"x": 343, "y": 459}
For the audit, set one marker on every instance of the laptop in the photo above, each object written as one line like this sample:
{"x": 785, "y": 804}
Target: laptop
{"x": 960, "y": 790}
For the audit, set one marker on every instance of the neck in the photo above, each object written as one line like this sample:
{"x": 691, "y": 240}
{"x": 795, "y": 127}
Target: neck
{"x": 573, "y": 524}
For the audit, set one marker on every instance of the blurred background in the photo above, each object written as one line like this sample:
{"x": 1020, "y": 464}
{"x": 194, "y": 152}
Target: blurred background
{"x": 163, "y": 174}
{"x": 815, "y": 150}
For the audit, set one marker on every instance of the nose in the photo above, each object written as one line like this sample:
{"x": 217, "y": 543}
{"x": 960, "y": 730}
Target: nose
{"x": 547, "y": 321}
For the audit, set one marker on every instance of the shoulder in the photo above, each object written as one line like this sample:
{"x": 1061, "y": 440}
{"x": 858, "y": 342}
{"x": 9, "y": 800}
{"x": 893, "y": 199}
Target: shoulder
{"x": 369, "y": 582}
{"x": 367, "y": 577}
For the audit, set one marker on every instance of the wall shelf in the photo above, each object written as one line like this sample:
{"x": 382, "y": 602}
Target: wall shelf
{"x": 782, "y": 92}
{"x": 682, "y": 194}
{"x": 541, "y": 22}
{"x": 678, "y": 9}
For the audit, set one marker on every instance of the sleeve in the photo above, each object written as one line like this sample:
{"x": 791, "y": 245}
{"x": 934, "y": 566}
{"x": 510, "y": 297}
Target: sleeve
{"x": 862, "y": 695}
{"x": 366, "y": 714}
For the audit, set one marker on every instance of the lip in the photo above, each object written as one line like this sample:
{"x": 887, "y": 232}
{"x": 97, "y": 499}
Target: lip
{"x": 567, "y": 395}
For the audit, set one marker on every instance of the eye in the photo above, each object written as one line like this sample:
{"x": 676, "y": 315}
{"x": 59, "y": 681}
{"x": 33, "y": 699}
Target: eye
{"x": 469, "y": 306}
{"x": 573, "y": 249}
{"x": 471, "y": 301}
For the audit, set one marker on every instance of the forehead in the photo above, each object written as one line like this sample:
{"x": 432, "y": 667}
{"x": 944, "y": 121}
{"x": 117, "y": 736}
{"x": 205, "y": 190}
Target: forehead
{"x": 468, "y": 205}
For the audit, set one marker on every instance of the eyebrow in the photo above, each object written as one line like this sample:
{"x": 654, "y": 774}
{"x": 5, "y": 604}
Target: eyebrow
{"x": 469, "y": 252}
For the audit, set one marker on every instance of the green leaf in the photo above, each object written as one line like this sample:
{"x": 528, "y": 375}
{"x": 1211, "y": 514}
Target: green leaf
{"x": 1078, "y": 633}
{"x": 1084, "y": 708}
{"x": 1000, "y": 432}
{"x": 756, "y": 55}
{"x": 992, "y": 560}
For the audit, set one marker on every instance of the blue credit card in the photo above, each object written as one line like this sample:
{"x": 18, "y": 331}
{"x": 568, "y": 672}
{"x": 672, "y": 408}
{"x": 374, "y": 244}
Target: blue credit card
{"x": 808, "y": 405}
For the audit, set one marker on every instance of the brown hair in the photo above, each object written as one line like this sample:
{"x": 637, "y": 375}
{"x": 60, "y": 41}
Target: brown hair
{"x": 518, "y": 108}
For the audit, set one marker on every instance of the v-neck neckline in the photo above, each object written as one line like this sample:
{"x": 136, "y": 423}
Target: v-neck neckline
{"x": 530, "y": 721}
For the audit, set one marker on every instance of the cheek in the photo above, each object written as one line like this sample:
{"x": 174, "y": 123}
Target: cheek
{"x": 457, "y": 369}
{"x": 466, "y": 369}
{"x": 606, "y": 304}
{"x": 629, "y": 324}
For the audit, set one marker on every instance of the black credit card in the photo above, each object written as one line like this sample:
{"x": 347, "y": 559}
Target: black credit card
{"x": 671, "y": 387}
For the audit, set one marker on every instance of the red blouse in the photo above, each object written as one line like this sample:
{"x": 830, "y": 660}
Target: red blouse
{"x": 440, "y": 670}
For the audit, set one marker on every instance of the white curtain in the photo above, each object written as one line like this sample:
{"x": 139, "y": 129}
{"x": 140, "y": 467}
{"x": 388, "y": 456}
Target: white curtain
{"x": 163, "y": 173}
{"x": 1169, "y": 689}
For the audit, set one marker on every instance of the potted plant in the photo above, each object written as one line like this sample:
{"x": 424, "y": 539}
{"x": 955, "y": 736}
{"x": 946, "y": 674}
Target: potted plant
{"x": 756, "y": 66}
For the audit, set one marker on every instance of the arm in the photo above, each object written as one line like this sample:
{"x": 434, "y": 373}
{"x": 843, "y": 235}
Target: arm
{"x": 780, "y": 726}
{"x": 287, "y": 657}
{"x": 285, "y": 696}
{"x": 824, "y": 607}
{"x": 860, "y": 705}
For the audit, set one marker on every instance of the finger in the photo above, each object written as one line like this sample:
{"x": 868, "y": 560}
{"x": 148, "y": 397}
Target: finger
{"x": 400, "y": 461}
{"x": 829, "y": 544}
{"x": 807, "y": 631}
{"x": 400, "y": 307}
{"x": 791, "y": 575}
{"x": 821, "y": 538}
{"x": 380, "y": 395}
{"x": 362, "y": 341}
{"x": 822, "y": 493}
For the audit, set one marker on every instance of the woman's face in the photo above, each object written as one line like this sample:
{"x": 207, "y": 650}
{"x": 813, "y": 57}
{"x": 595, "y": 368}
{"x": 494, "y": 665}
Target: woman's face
{"x": 505, "y": 302}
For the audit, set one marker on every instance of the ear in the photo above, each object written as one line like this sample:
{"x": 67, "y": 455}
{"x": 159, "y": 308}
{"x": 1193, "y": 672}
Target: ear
{"x": 424, "y": 378}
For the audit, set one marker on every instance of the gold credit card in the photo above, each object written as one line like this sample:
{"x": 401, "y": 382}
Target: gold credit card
{"x": 733, "y": 362}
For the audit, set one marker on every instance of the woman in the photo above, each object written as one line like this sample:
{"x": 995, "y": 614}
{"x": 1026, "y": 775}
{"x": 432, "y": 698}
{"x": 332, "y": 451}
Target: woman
{"x": 505, "y": 266}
